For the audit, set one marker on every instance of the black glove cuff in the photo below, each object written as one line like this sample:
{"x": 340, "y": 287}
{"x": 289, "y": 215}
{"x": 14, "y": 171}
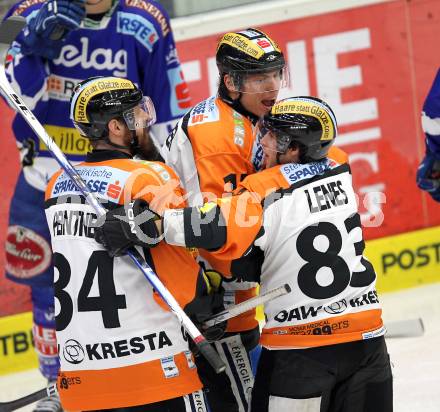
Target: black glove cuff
{"x": 147, "y": 233}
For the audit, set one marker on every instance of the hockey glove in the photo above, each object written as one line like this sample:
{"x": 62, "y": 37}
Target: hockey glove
{"x": 127, "y": 226}
{"x": 217, "y": 331}
{"x": 214, "y": 279}
{"x": 45, "y": 33}
{"x": 428, "y": 175}
{"x": 206, "y": 304}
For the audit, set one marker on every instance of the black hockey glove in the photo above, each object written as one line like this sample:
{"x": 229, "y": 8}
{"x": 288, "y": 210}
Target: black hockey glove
{"x": 207, "y": 304}
{"x": 217, "y": 292}
{"x": 127, "y": 226}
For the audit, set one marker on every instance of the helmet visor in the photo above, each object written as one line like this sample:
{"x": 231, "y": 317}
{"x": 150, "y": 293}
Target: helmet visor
{"x": 245, "y": 81}
{"x": 278, "y": 140}
{"x": 141, "y": 116}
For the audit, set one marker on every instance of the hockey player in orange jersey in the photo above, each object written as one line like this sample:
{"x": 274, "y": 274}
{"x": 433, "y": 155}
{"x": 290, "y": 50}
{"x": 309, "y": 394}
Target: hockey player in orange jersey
{"x": 119, "y": 345}
{"x": 212, "y": 149}
{"x": 297, "y": 222}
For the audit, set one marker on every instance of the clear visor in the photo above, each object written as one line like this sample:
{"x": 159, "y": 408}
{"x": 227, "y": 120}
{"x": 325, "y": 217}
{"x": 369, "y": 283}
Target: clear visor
{"x": 141, "y": 116}
{"x": 274, "y": 140}
{"x": 260, "y": 82}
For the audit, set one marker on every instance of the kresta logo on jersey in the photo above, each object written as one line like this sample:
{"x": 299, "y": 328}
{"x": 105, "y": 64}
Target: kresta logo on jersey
{"x": 75, "y": 353}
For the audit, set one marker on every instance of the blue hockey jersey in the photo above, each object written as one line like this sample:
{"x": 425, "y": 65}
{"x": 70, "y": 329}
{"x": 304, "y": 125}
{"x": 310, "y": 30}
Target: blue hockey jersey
{"x": 431, "y": 117}
{"x": 133, "y": 40}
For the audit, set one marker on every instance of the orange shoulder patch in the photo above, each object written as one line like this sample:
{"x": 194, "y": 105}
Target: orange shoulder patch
{"x": 338, "y": 155}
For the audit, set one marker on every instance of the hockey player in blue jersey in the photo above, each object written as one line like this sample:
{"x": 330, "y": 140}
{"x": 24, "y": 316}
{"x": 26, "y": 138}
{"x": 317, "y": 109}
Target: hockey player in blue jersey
{"x": 428, "y": 173}
{"x": 63, "y": 43}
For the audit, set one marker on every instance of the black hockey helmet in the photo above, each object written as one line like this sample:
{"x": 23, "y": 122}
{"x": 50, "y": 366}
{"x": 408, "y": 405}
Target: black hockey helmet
{"x": 248, "y": 51}
{"x": 97, "y": 100}
{"x": 304, "y": 121}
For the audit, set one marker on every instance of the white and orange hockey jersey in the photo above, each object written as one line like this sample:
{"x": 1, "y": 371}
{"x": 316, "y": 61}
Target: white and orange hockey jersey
{"x": 212, "y": 149}
{"x": 303, "y": 219}
{"x": 118, "y": 343}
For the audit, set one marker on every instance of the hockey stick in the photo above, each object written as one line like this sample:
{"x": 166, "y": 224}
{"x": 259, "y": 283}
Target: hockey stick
{"x": 9, "y": 30}
{"x": 395, "y": 329}
{"x": 51, "y": 390}
{"x": 247, "y": 305}
{"x": 220, "y": 317}
{"x": 408, "y": 328}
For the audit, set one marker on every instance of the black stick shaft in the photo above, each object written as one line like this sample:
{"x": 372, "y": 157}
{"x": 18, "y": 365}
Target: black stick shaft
{"x": 25, "y": 400}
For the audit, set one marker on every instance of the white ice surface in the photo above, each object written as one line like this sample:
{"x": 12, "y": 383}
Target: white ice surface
{"x": 416, "y": 361}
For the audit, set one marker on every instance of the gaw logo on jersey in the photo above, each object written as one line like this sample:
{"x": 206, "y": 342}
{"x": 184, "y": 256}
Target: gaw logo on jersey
{"x": 309, "y": 108}
{"x": 93, "y": 88}
{"x": 252, "y": 47}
